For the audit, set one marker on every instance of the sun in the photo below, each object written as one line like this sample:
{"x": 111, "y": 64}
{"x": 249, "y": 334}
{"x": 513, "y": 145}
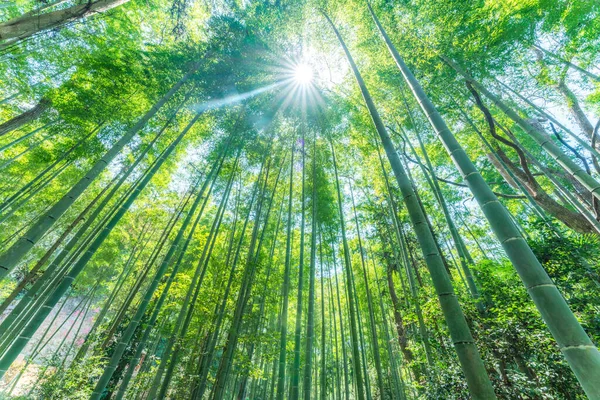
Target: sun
{"x": 303, "y": 74}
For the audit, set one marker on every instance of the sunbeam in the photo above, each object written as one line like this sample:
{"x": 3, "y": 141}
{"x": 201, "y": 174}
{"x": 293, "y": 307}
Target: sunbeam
{"x": 235, "y": 99}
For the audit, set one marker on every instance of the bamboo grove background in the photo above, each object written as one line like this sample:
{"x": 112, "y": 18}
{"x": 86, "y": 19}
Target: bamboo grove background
{"x": 182, "y": 217}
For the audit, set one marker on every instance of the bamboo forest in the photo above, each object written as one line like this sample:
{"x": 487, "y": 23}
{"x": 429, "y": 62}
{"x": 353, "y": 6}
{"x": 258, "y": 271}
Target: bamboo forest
{"x": 300, "y": 199}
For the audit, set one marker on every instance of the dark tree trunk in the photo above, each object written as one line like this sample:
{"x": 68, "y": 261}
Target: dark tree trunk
{"x": 572, "y": 219}
{"x": 25, "y": 117}
{"x": 398, "y": 318}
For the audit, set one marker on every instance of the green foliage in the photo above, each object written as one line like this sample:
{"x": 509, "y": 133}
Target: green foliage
{"x": 74, "y": 385}
{"x": 102, "y": 73}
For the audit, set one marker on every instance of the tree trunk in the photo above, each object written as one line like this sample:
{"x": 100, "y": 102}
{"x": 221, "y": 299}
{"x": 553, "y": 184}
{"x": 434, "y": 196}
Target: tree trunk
{"x": 572, "y": 219}
{"x": 524, "y": 173}
{"x": 581, "y": 354}
{"x": 26, "y": 117}
{"x": 15, "y": 349}
{"x": 10, "y": 258}
{"x": 349, "y": 292}
{"x": 535, "y": 133}
{"x": 372, "y": 324}
{"x": 323, "y": 374}
{"x": 463, "y": 253}
{"x": 206, "y": 361}
{"x": 399, "y": 322}
{"x": 584, "y": 143}
{"x": 570, "y": 64}
{"x": 310, "y": 324}
{"x": 176, "y": 245}
{"x": 38, "y": 180}
{"x": 171, "y": 353}
{"x": 515, "y": 182}
{"x": 470, "y": 359}
{"x": 342, "y": 332}
{"x": 33, "y": 273}
{"x": 399, "y": 387}
{"x": 29, "y": 25}
{"x": 57, "y": 268}
{"x": 285, "y": 289}
{"x": 221, "y": 379}
{"x": 295, "y": 377}
{"x": 575, "y": 109}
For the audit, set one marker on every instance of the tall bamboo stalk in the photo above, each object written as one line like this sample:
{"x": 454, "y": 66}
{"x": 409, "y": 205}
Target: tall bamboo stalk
{"x": 295, "y": 374}
{"x": 360, "y": 391}
{"x": 472, "y": 365}
{"x": 581, "y": 354}
{"x": 10, "y": 258}
{"x": 14, "y": 350}
{"x": 285, "y": 288}
{"x": 310, "y": 324}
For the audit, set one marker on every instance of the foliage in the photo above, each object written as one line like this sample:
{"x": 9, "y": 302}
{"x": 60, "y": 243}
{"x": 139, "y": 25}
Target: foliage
{"x": 185, "y": 301}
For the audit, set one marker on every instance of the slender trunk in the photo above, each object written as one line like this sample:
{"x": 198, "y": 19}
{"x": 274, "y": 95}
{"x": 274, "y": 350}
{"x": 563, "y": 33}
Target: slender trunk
{"x": 9, "y": 200}
{"x": 584, "y": 143}
{"x": 87, "y": 224}
{"x": 33, "y": 273}
{"x": 393, "y": 212}
{"x": 45, "y": 284}
{"x": 285, "y": 288}
{"x": 24, "y": 137}
{"x": 409, "y": 266}
{"x": 577, "y": 347}
{"x": 44, "y": 341}
{"x": 28, "y": 25}
{"x": 572, "y": 219}
{"x": 87, "y": 309}
{"x": 220, "y": 386}
{"x": 26, "y": 117}
{"x": 392, "y": 359}
{"x": 11, "y": 257}
{"x": 24, "y": 201}
{"x": 333, "y": 337}
{"x": 121, "y": 279}
{"x": 323, "y": 373}
{"x": 206, "y": 359}
{"x": 570, "y": 64}
{"x": 350, "y": 296}
{"x": 472, "y": 365}
{"x": 32, "y": 326}
{"x": 176, "y": 246}
{"x": 342, "y": 331}
{"x": 511, "y": 178}
{"x": 535, "y": 133}
{"x": 575, "y": 109}
{"x": 361, "y": 339}
{"x": 463, "y": 253}
{"x": 258, "y": 324}
{"x": 400, "y": 329}
{"x": 29, "y": 148}
{"x": 173, "y": 348}
{"x": 295, "y": 377}
{"x": 372, "y": 324}
{"x": 310, "y": 324}
{"x": 122, "y": 310}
